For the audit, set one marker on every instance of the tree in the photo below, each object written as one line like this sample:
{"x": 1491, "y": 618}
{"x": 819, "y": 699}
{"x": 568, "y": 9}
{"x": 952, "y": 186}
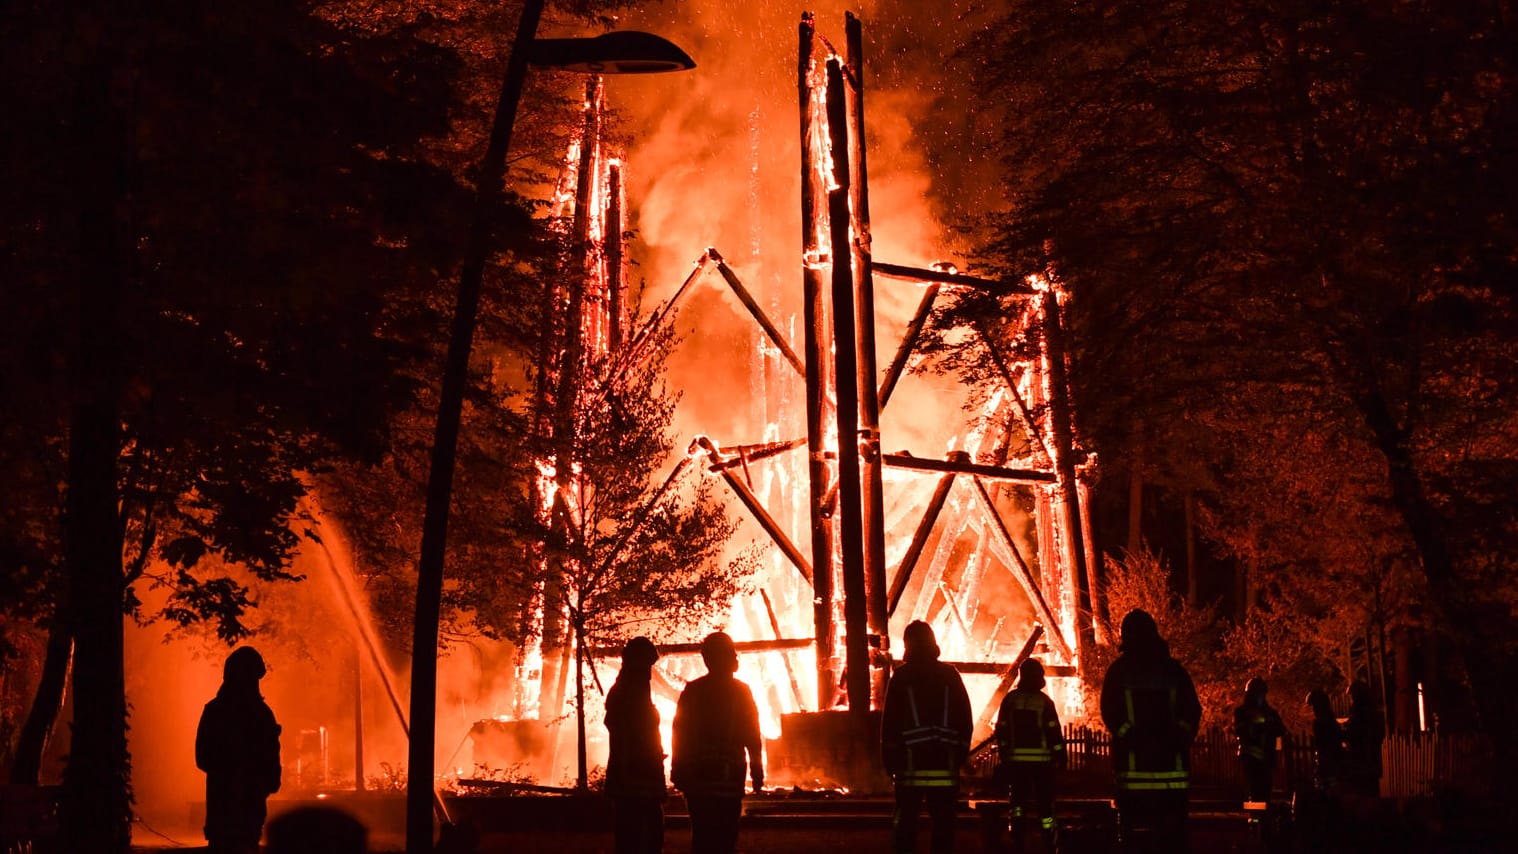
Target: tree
{"x": 1276, "y": 227}
{"x": 205, "y": 258}
{"x": 625, "y": 552}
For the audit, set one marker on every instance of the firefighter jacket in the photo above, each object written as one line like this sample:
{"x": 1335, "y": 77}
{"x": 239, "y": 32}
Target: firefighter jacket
{"x": 1027, "y": 729}
{"x": 1257, "y": 726}
{"x": 635, "y": 761}
{"x": 237, "y": 745}
{"x": 1150, "y": 706}
{"x": 716, "y": 722}
{"x": 925, "y": 725}
{"x": 1328, "y": 750}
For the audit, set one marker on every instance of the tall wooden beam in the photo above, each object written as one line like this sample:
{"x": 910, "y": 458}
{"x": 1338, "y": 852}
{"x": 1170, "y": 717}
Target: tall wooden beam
{"x": 846, "y": 383}
{"x": 872, "y": 487}
{"x": 815, "y": 350}
{"x": 919, "y": 541}
{"x": 1024, "y": 575}
{"x": 1064, "y": 463}
{"x": 616, "y": 287}
{"x": 908, "y": 344}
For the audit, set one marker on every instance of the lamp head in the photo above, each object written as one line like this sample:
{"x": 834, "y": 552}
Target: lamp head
{"x": 622, "y": 52}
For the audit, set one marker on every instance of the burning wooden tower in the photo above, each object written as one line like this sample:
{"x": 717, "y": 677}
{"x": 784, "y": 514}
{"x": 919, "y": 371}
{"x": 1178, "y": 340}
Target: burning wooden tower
{"x": 846, "y": 394}
{"x": 866, "y": 572}
{"x": 880, "y": 538}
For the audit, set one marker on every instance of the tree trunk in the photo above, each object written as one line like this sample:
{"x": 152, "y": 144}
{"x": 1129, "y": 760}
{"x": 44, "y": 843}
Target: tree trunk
{"x": 1135, "y": 509}
{"x": 1404, "y": 708}
{"x": 1243, "y": 577}
{"x": 95, "y": 809}
{"x": 582, "y": 772}
{"x": 1480, "y": 628}
{"x": 1189, "y": 511}
{"x": 26, "y": 770}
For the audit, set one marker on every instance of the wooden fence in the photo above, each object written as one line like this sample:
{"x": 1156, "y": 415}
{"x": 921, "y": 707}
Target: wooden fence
{"x": 1412, "y": 765}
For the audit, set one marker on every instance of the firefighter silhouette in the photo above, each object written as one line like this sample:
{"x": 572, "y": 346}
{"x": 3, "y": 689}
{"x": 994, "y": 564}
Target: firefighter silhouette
{"x": 1316, "y": 814}
{"x": 716, "y": 723}
{"x": 237, "y": 745}
{"x": 1327, "y": 742}
{"x": 1259, "y": 729}
{"x": 924, "y": 739}
{"x": 635, "y": 764}
{"x": 1150, "y": 707}
{"x": 1030, "y": 745}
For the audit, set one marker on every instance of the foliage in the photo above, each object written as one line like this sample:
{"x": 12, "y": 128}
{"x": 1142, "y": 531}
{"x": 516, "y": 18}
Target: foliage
{"x": 625, "y": 551}
{"x": 1142, "y": 580}
{"x": 641, "y": 556}
{"x": 250, "y": 345}
{"x": 1289, "y": 274}
{"x": 1281, "y": 644}
{"x": 204, "y": 210}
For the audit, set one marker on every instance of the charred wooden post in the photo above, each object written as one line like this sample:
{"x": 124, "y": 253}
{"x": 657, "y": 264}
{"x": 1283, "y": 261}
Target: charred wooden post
{"x": 790, "y": 671}
{"x": 751, "y": 501}
{"x": 1064, "y": 465}
{"x": 743, "y": 295}
{"x": 919, "y": 541}
{"x": 815, "y": 351}
{"x": 555, "y": 631}
{"x": 616, "y": 284}
{"x": 1099, "y": 616}
{"x": 570, "y": 358}
{"x": 1024, "y": 574}
{"x": 1008, "y": 678}
{"x": 872, "y": 496}
{"x": 846, "y": 382}
{"x": 908, "y": 344}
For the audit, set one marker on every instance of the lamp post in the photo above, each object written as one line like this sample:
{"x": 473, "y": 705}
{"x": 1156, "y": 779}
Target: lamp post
{"x": 611, "y": 53}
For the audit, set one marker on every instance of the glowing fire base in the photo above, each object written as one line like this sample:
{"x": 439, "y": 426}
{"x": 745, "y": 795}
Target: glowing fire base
{"x": 834, "y": 750}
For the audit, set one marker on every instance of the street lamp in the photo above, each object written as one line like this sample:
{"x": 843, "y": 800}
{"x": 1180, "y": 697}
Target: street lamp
{"x": 611, "y": 53}
{"x": 624, "y": 52}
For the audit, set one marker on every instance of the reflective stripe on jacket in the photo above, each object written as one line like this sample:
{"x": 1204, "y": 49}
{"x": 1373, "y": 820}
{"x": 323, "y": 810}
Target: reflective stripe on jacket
{"x": 925, "y": 725}
{"x": 1027, "y": 728}
{"x": 1149, "y": 704}
{"x": 1257, "y": 728}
